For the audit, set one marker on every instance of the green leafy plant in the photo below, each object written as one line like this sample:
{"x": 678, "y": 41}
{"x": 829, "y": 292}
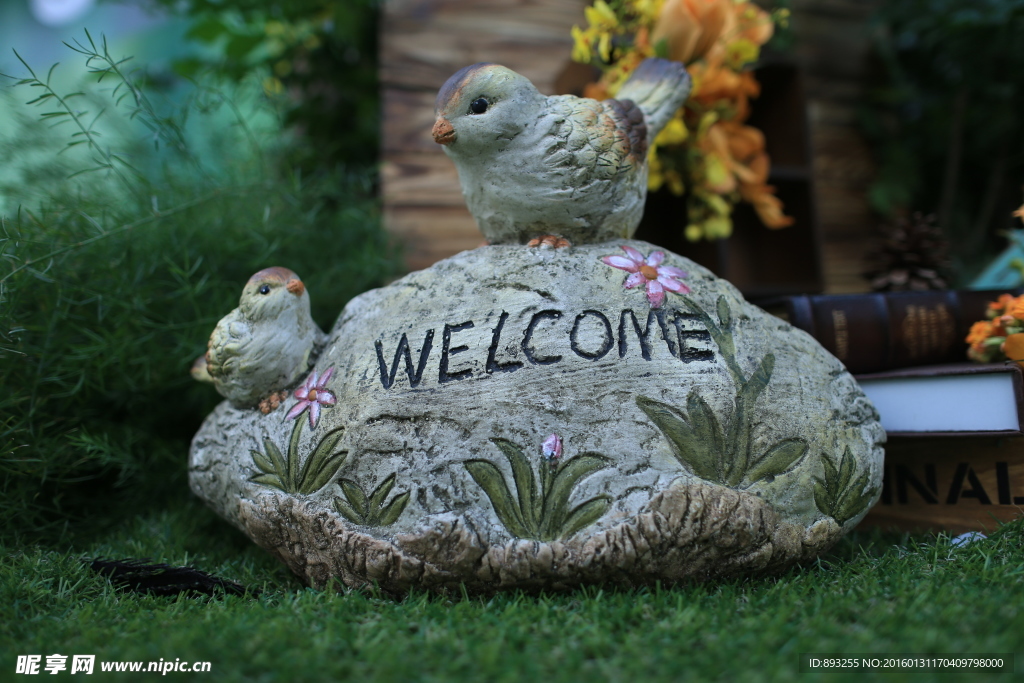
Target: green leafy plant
{"x": 717, "y": 452}
{"x": 838, "y": 494}
{"x": 282, "y": 471}
{"x": 117, "y": 258}
{"x": 359, "y": 508}
{"x": 544, "y": 514}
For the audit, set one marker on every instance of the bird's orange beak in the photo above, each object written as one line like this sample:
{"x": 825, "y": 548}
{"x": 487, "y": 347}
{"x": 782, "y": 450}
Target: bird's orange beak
{"x": 295, "y": 287}
{"x": 443, "y": 132}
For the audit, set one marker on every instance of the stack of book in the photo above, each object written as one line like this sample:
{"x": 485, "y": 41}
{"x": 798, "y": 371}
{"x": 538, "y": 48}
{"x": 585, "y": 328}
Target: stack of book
{"x": 954, "y": 460}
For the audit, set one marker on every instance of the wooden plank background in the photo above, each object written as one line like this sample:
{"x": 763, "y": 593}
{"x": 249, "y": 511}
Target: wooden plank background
{"x": 423, "y": 42}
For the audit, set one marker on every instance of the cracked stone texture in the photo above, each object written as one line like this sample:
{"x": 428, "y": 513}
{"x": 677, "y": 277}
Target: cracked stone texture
{"x": 489, "y": 374}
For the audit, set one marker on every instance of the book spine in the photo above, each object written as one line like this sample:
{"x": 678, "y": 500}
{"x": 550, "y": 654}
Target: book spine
{"x": 882, "y": 331}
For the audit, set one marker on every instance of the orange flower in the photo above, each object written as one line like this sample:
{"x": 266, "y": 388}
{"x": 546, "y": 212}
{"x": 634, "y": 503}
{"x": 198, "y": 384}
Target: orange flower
{"x": 597, "y": 91}
{"x": 1013, "y": 347}
{"x": 1000, "y": 305}
{"x": 1019, "y": 213}
{"x": 980, "y": 331}
{"x": 767, "y": 205}
{"x": 754, "y": 24}
{"x": 692, "y": 27}
{"x": 1015, "y": 308}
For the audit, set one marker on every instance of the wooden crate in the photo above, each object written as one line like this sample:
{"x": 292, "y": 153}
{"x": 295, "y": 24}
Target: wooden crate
{"x": 953, "y": 484}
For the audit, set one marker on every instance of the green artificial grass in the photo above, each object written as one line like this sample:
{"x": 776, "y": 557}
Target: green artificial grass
{"x": 873, "y": 593}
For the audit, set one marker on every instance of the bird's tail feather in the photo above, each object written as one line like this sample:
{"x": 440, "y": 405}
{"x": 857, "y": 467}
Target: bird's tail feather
{"x": 659, "y": 87}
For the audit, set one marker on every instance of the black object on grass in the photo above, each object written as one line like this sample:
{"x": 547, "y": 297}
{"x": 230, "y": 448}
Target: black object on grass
{"x": 161, "y": 579}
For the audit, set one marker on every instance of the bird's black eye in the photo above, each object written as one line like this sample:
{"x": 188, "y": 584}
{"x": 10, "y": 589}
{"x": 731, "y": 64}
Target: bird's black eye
{"x": 478, "y": 106}
{"x": 265, "y": 289}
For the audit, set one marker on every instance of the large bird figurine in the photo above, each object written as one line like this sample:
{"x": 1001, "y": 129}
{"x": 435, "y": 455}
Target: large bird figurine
{"x": 533, "y": 166}
{"x": 263, "y": 346}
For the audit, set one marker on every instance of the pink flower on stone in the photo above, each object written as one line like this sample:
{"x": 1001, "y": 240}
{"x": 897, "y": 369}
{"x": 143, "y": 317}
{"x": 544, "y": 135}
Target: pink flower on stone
{"x": 552, "y": 447}
{"x": 313, "y": 394}
{"x": 649, "y": 272}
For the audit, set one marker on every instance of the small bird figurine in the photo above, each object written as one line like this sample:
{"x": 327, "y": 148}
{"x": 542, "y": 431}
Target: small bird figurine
{"x": 533, "y": 167}
{"x": 264, "y": 345}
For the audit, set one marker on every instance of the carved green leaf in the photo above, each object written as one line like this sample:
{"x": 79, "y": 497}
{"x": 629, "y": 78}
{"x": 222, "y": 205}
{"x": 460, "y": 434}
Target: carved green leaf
{"x": 293, "y": 457}
{"x": 724, "y": 314}
{"x": 355, "y": 496}
{"x": 583, "y": 515}
{"x": 708, "y": 451}
{"x": 685, "y": 444}
{"x": 261, "y": 462}
{"x": 393, "y": 510}
{"x": 831, "y": 482}
{"x": 490, "y": 479}
{"x": 856, "y": 500}
{"x": 327, "y": 472}
{"x": 381, "y": 493}
{"x": 779, "y": 458}
{"x": 758, "y": 381}
{"x": 846, "y": 466}
{"x": 822, "y": 497}
{"x": 347, "y": 511}
{"x": 836, "y": 495}
{"x": 565, "y": 480}
{"x": 280, "y": 466}
{"x": 314, "y": 465}
{"x": 526, "y": 484}
{"x": 268, "y": 480}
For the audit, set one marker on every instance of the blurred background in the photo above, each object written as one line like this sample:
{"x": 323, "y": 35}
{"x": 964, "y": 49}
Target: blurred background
{"x": 181, "y": 145}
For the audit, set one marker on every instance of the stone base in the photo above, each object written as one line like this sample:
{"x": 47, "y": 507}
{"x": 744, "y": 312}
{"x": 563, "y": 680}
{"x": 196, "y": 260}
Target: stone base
{"x": 690, "y": 532}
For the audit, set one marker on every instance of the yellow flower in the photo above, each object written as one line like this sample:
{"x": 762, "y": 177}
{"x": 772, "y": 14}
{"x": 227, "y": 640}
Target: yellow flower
{"x": 718, "y": 227}
{"x": 581, "y": 45}
{"x": 604, "y": 47}
{"x": 674, "y": 132}
{"x": 601, "y": 16}
{"x": 741, "y": 52}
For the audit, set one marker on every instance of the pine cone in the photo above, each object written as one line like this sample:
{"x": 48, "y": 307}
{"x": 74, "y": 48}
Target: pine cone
{"x": 913, "y": 256}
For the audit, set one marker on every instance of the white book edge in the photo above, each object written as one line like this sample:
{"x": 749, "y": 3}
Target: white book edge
{"x": 984, "y": 402}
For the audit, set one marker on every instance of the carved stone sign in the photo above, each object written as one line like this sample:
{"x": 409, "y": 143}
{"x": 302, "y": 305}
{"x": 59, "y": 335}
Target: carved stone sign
{"x": 516, "y": 417}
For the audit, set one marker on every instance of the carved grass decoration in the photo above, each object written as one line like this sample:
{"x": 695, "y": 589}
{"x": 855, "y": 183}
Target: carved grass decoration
{"x": 283, "y": 471}
{"x": 839, "y": 495}
{"x": 721, "y": 450}
{"x": 359, "y": 508}
{"x": 542, "y": 515}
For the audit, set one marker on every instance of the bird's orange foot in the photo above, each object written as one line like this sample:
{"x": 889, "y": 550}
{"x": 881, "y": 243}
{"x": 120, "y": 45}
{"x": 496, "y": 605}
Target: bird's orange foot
{"x": 272, "y": 402}
{"x": 549, "y": 242}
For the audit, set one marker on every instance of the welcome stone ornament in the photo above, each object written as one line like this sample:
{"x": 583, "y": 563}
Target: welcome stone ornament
{"x": 524, "y": 418}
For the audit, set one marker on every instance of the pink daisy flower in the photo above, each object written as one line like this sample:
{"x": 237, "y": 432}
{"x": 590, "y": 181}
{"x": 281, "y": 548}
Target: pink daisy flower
{"x": 313, "y": 394}
{"x": 650, "y": 273}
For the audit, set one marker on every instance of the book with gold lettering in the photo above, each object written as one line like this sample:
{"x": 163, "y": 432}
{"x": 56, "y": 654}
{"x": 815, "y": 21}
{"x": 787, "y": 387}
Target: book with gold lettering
{"x": 886, "y": 330}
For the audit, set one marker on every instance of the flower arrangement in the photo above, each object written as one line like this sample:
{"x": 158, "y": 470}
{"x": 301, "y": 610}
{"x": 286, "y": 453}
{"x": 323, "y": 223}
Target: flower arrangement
{"x": 1001, "y": 336}
{"x": 705, "y": 151}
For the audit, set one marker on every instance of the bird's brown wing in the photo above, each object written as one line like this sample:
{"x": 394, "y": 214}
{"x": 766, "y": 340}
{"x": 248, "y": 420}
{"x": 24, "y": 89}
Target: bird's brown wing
{"x": 594, "y": 140}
